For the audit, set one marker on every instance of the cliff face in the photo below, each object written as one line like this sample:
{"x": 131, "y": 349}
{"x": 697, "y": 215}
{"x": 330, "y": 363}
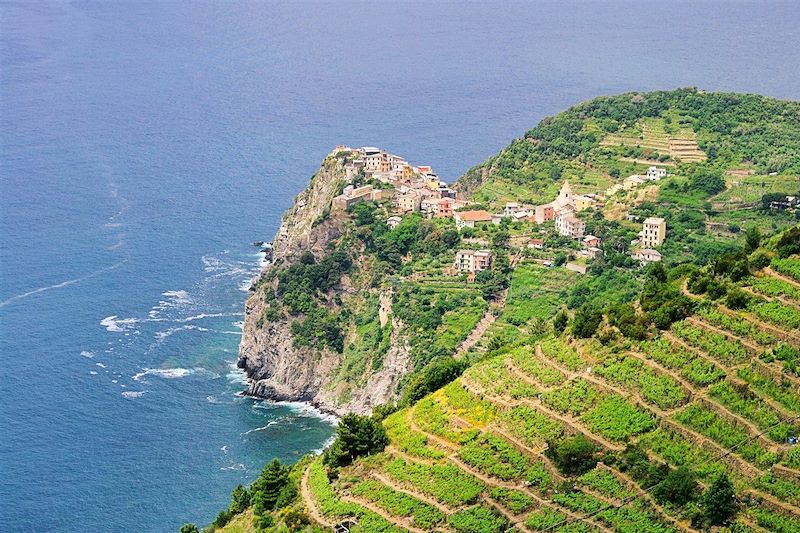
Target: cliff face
{"x": 275, "y": 367}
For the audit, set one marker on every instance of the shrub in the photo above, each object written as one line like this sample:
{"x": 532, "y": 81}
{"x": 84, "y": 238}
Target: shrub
{"x": 678, "y": 487}
{"x": 573, "y": 455}
{"x": 435, "y": 375}
{"x": 560, "y": 321}
{"x": 737, "y": 299}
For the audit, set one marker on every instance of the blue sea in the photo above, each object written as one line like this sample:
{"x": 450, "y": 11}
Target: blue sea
{"x": 145, "y": 145}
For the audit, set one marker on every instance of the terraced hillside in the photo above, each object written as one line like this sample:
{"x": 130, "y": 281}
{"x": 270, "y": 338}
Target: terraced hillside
{"x": 709, "y": 394}
{"x": 629, "y": 397}
{"x": 679, "y": 145}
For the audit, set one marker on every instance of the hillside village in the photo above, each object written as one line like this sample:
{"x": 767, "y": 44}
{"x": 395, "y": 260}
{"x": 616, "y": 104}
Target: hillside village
{"x": 375, "y": 175}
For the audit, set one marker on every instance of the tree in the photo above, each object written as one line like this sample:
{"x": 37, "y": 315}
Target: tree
{"x": 752, "y": 238}
{"x": 707, "y": 180}
{"x": 240, "y": 500}
{"x": 573, "y": 455}
{"x": 587, "y": 319}
{"x": 678, "y": 487}
{"x": 500, "y": 239}
{"x": 435, "y": 375}
{"x": 267, "y": 488}
{"x": 719, "y": 501}
{"x": 189, "y": 528}
{"x": 356, "y": 435}
{"x": 737, "y": 299}
{"x": 560, "y": 321}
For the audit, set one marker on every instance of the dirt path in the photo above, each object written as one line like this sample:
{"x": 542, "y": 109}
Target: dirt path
{"x": 756, "y": 349}
{"x": 311, "y": 505}
{"x": 782, "y": 277}
{"x": 777, "y": 332}
{"x": 632, "y": 485}
{"x": 414, "y": 494}
{"x": 658, "y": 367}
{"x": 435, "y": 438}
{"x": 777, "y": 373}
{"x": 775, "y": 502}
{"x": 393, "y": 450}
{"x": 403, "y": 523}
{"x": 752, "y": 429}
{"x": 700, "y": 353}
{"x": 477, "y": 332}
{"x": 746, "y": 469}
{"x": 780, "y": 299}
{"x": 779, "y": 407}
{"x": 517, "y": 522}
{"x": 494, "y": 482}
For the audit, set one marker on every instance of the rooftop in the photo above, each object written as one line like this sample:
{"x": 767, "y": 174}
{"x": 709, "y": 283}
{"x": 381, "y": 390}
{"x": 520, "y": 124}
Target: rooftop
{"x": 653, "y": 220}
{"x": 474, "y": 216}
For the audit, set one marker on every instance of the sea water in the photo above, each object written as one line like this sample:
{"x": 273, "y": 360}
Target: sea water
{"x": 145, "y": 146}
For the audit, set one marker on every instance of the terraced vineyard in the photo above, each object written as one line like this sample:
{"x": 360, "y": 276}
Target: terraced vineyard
{"x": 650, "y": 134}
{"x": 477, "y": 454}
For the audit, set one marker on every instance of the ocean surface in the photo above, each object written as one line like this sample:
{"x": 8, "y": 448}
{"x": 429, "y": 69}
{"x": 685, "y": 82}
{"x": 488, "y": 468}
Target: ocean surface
{"x": 145, "y": 145}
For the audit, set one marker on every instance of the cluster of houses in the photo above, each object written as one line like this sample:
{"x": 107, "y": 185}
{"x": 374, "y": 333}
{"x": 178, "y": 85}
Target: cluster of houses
{"x": 417, "y": 189}
{"x": 633, "y": 181}
{"x": 413, "y": 188}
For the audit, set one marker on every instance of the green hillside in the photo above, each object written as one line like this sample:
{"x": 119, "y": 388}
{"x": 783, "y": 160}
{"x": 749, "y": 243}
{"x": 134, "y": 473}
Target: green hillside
{"x": 627, "y": 398}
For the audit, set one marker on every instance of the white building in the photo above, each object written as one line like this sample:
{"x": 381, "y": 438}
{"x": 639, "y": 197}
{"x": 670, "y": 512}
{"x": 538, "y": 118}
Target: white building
{"x": 647, "y": 255}
{"x": 654, "y": 231}
{"x": 568, "y": 225}
{"x": 656, "y": 173}
{"x": 393, "y": 222}
{"x": 472, "y": 261}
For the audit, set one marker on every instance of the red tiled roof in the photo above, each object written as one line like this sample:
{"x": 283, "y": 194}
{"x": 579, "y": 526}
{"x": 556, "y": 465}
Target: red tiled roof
{"x": 475, "y": 216}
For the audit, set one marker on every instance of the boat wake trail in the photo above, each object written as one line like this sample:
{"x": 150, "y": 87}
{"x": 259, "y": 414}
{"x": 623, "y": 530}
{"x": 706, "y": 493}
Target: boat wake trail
{"x": 63, "y": 283}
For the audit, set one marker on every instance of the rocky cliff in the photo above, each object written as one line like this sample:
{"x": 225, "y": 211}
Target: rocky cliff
{"x": 276, "y": 367}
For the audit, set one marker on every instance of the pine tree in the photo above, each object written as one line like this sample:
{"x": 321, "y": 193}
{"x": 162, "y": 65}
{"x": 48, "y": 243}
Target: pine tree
{"x": 269, "y": 484}
{"x": 719, "y": 503}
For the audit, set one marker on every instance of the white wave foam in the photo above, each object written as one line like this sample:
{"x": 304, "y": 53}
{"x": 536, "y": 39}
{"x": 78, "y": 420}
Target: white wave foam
{"x": 235, "y": 466}
{"x": 172, "y": 373}
{"x": 118, "y": 325}
{"x": 178, "y": 297}
{"x": 239, "y": 324}
{"x": 206, "y": 315}
{"x": 262, "y": 428}
{"x": 307, "y": 410}
{"x": 131, "y": 394}
{"x": 224, "y": 449}
{"x": 236, "y": 375}
{"x": 212, "y": 399}
{"x": 325, "y": 444}
{"x": 101, "y": 365}
{"x": 87, "y": 354}
{"x": 92, "y": 373}
{"x": 161, "y": 335}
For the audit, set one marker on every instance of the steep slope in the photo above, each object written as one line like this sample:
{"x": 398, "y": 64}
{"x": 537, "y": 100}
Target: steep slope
{"x": 276, "y": 366}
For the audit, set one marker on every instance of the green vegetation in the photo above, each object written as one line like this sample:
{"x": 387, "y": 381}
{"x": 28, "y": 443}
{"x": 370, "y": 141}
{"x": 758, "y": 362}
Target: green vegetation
{"x": 685, "y": 363}
{"x": 478, "y": 519}
{"x": 399, "y": 504}
{"x": 493, "y": 456}
{"x": 443, "y": 482}
{"x": 616, "y": 419}
{"x": 728, "y": 435}
{"x": 355, "y": 436}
